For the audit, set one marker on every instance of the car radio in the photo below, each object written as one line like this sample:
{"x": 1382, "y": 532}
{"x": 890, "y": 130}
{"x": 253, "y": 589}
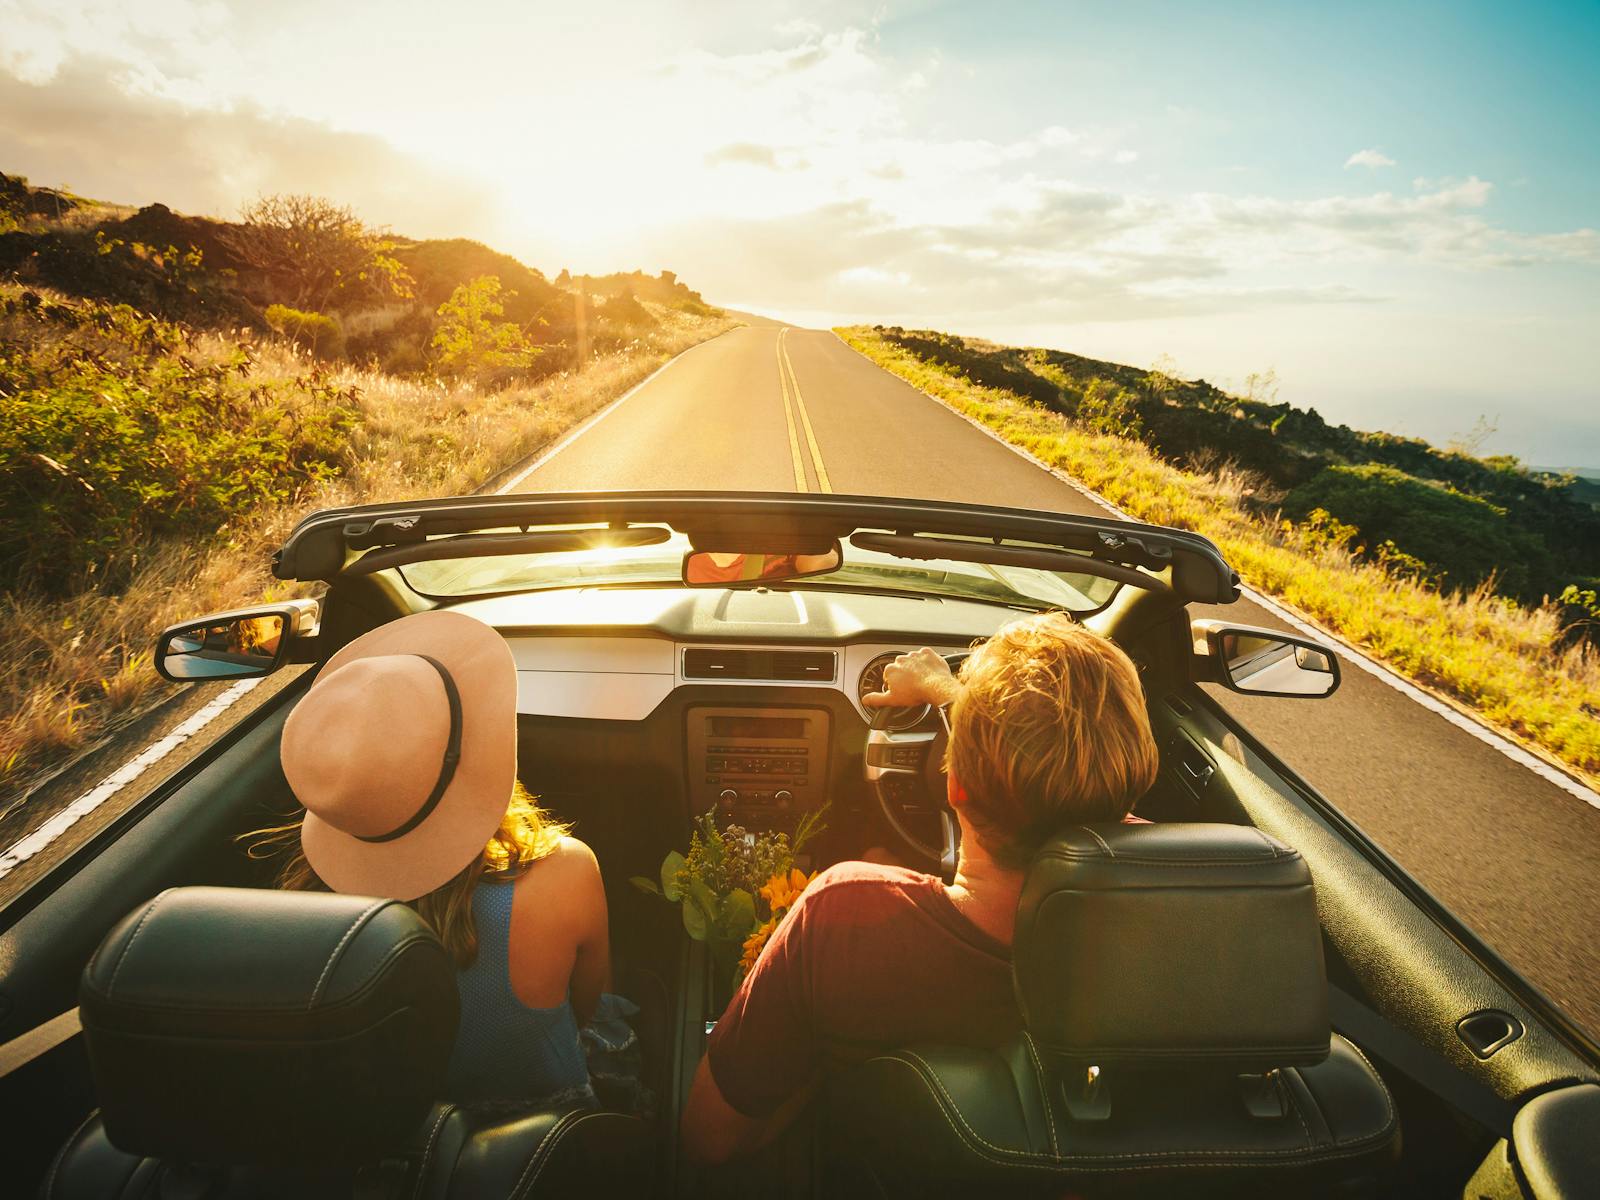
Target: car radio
{"x": 757, "y": 764}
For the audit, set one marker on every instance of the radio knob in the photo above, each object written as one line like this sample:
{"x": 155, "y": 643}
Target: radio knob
{"x": 782, "y": 796}
{"x": 728, "y": 795}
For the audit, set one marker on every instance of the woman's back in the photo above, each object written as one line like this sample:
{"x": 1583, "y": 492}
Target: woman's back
{"x": 505, "y": 1049}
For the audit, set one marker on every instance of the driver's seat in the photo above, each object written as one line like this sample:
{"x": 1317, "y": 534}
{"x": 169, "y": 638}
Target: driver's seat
{"x": 1176, "y": 1036}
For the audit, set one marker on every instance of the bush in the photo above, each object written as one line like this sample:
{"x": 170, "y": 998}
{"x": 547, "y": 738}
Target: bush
{"x": 315, "y": 254}
{"x": 1107, "y": 408}
{"x": 313, "y": 331}
{"x": 116, "y": 429}
{"x": 472, "y": 340}
{"x": 1432, "y": 528}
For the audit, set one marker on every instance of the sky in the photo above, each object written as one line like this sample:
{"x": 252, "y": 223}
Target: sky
{"x": 1393, "y": 206}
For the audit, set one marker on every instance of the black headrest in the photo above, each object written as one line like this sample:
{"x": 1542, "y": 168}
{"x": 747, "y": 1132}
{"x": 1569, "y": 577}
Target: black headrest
{"x": 238, "y": 1026}
{"x": 1176, "y": 945}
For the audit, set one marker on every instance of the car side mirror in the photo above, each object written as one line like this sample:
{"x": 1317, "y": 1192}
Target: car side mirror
{"x": 1264, "y": 662}
{"x": 243, "y": 644}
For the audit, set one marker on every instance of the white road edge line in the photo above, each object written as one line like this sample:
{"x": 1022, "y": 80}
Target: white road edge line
{"x": 64, "y": 820}
{"x": 1350, "y": 653}
{"x": 30, "y": 844}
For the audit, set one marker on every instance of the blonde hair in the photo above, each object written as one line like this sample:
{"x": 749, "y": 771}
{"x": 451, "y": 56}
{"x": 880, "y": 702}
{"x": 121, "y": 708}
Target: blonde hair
{"x": 527, "y": 833}
{"x": 1049, "y": 727}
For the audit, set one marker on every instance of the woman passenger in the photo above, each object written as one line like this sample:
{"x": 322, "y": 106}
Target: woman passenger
{"x": 404, "y": 754}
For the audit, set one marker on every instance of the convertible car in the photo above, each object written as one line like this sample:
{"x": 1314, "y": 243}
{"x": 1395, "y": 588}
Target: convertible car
{"x": 1244, "y": 996}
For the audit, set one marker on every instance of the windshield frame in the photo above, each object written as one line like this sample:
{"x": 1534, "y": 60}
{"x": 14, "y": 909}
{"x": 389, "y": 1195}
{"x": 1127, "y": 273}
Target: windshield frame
{"x": 1187, "y": 564}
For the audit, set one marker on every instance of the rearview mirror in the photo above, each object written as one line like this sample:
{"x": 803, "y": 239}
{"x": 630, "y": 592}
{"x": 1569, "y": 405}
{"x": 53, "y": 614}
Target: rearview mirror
{"x": 242, "y": 644}
{"x": 713, "y": 568}
{"x": 1264, "y": 662}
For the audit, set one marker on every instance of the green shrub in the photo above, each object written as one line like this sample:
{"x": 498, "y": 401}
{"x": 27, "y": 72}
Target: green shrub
{"x": 471, "y": 339}
{"x": 116, "y": 429}
{"x": 1107, "y": 408}
{"x": 1464, "y": 539}
{"x": 317, "y": 332}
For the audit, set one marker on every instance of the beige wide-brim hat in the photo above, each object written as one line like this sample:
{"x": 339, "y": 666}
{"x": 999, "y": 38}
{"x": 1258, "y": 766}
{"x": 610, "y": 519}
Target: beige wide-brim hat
{"x": 366, "y": 752}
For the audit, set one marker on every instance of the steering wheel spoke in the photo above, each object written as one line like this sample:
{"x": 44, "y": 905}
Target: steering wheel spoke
{"x": 894, "y": 752}
{"x": 905, "y": 769}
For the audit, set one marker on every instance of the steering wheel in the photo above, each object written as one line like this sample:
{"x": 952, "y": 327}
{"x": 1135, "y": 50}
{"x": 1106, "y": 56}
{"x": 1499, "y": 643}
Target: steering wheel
{"x": 914, "y": 758}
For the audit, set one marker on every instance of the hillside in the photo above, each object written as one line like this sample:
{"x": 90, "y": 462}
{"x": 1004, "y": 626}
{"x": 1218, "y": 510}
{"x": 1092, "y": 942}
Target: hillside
{"x": 213, "y": 274}
{"x": 1443, "y": 516}
{"x": 176, "y": 391}
{"x": 1531, "y": 670}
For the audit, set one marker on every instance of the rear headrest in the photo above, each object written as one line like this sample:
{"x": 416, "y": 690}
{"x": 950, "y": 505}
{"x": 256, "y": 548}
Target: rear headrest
{"x": 236, "y": 1026}
{"x": 1174, "y": 946}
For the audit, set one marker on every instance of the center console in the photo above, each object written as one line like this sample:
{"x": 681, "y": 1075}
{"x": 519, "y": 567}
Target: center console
{"x": 761, "y": 767}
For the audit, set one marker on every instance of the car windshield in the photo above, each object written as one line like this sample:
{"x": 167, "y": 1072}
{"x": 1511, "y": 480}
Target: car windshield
{"x": 662, "y": 565}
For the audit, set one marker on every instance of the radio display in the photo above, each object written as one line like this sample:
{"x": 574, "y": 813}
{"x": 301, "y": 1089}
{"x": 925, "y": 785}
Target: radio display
{"x": 756, "y": 727}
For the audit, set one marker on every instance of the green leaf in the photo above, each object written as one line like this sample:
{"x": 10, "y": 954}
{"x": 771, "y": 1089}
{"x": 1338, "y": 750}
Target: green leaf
{"x": 703, "y": 896}
{"x": 646, "y": 885}
{"x": 670, "y": 866}
{"x": 737, "y": 920}
{"x": 694, "y": 920}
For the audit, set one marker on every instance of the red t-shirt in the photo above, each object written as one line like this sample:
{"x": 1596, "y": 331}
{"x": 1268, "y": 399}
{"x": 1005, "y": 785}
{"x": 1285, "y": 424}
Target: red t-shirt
{"x": 870, "y": 957}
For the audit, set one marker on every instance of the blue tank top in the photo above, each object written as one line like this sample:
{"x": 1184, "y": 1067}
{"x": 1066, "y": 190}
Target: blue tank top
{"x": 505, "y": 1050}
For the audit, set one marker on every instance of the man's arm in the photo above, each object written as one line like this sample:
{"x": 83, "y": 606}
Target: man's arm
{"x": 920, "y": 677}
{"x": 714, "y": 1131}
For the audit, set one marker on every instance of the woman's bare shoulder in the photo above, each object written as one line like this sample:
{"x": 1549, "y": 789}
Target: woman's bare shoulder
{"x": 569, "y": 863}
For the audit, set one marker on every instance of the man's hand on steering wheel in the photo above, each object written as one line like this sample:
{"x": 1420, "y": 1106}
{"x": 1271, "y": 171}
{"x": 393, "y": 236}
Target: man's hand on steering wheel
{"x": 919, "y": 677}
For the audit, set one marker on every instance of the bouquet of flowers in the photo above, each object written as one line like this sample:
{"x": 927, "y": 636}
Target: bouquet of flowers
{"x": 733, "y": 887}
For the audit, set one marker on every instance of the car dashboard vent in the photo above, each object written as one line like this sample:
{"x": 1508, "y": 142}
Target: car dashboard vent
{"x": 781, "y": 666}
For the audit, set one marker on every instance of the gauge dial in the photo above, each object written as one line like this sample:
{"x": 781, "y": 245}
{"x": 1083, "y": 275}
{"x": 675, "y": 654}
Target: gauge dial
{"x": 872, "y": 681}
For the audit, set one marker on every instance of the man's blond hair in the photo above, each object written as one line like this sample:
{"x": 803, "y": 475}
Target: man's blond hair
{"x": 1049, "y": 729}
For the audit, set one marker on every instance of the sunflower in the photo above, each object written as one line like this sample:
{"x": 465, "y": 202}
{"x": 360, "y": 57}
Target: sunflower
{"x": 754, "y": 944}
{"x": 781, "y": 891}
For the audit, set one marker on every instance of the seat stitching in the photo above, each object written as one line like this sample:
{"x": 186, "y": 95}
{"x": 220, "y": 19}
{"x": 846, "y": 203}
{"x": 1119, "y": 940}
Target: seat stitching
{"x": 1388, "y": 1101}
{"x": 1104, "y": 845}
{"x": 133, "y": 937}
{"x": 61, "y": 1155}
{"x": 1288, "y": 1095}
{"x": 531, "y": 1171}
{"x": 1070, "y": 1164}
{"x": 427, "y": 1151}
{"x": 1038, "y": 1071}
{"x": 337, "y": 950}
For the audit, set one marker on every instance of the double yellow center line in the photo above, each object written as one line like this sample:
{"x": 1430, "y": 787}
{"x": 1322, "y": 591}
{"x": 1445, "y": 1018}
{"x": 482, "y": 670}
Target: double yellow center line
{"x": 792, "y": 403}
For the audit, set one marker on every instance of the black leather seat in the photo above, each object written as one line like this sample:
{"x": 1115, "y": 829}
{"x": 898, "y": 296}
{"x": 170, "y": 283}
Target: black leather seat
{"x": 1176, "y": 1041}
{"x": 277, "y": 1044}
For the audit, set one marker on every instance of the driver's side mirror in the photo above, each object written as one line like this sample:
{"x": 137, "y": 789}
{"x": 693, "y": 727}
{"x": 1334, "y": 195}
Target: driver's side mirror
{"x": 1264, "y": 662}
{"x": 243, "y": 644}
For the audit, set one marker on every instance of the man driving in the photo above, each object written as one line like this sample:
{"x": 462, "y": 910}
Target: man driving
{"x": 1047, "y": 728}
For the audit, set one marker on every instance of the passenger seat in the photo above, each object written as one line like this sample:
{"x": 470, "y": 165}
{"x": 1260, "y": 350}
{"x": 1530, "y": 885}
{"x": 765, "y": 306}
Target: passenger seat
{"x": 294, "y": 1044}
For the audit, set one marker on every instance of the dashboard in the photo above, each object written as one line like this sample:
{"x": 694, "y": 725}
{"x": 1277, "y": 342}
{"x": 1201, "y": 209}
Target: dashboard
{"x": 769, "y": 684}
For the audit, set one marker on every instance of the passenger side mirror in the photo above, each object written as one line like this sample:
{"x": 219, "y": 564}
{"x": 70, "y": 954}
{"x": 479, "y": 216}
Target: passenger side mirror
{"x": 243, "y": 644}
{"x": 713, "y": 568}
{"x": 1264, "y": 662}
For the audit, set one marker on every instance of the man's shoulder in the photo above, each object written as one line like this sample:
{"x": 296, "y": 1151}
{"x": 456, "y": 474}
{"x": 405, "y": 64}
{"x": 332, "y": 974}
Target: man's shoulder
{"x": 855, "y": 883}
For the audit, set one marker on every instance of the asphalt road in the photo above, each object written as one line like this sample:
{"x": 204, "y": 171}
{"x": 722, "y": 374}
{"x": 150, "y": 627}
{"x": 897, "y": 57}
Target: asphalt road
{"x": 773, "y": 409}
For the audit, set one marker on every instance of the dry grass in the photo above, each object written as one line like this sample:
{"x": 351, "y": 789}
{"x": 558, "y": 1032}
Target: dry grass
{"x": 72, "y": 670}
{"x": 1489, "y": 654}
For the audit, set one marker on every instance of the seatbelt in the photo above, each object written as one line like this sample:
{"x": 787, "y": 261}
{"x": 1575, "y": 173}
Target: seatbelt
{"x": 41, "y": 1039}
{"x": 1369, "y": 1030}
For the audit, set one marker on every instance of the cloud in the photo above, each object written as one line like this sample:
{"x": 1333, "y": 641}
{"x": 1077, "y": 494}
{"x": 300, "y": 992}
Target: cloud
{"x": 77, "y": 127}
{"x": 750, "y": 154}
{"x": 1368, "y": 158}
